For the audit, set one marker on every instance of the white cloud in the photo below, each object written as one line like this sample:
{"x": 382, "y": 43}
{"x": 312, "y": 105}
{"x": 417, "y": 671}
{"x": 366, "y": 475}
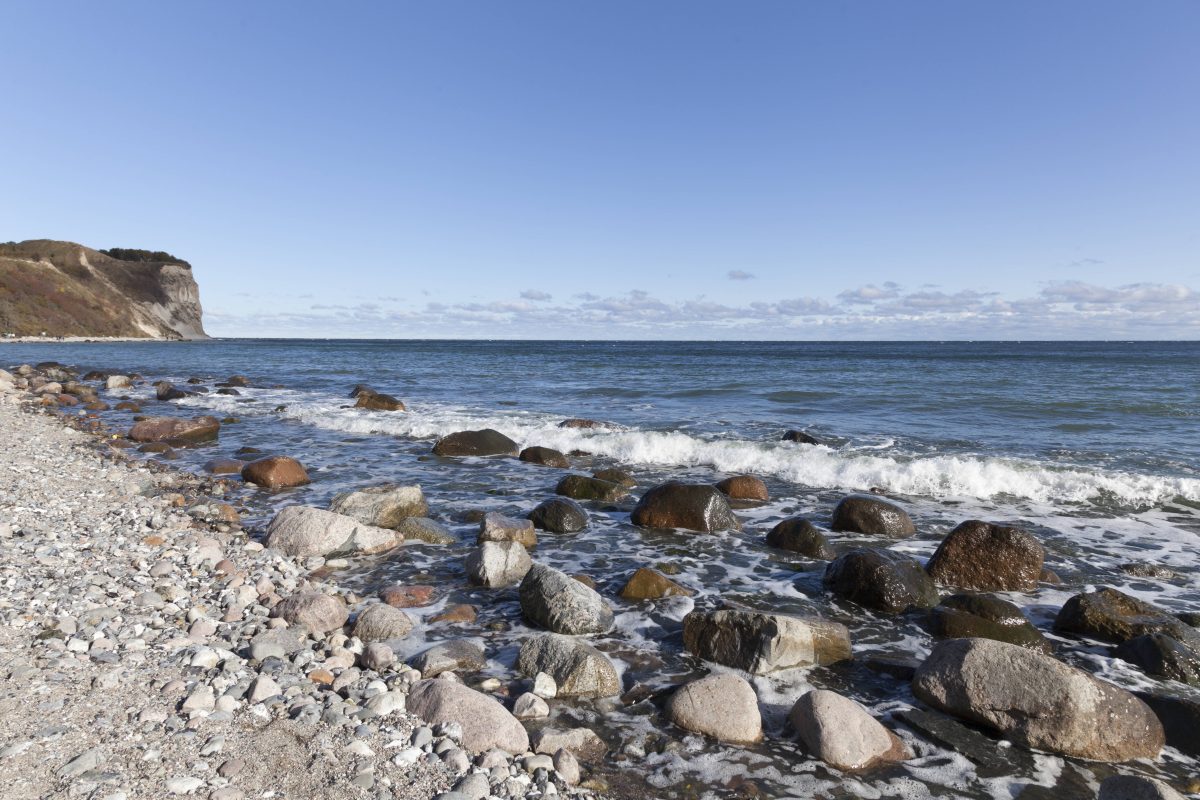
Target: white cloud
{"x": 741, "y": 275}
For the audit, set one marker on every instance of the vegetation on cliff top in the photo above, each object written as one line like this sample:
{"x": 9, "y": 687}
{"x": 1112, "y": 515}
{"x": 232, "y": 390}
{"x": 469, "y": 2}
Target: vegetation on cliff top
{"x": 133, "y": 254}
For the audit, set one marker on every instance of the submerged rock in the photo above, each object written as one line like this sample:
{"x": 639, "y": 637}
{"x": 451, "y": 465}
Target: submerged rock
{"x": 650, "y": 584}
{"x": 385, "y": 506}
{"x": 758, "y": 642}
{"x": 160, "y": 429}
{"x": 1114, "y": 616}
{"x": 487, "y": 442}
{"x": 578, "y": 669}
{"x": 988, "y": 557}
{"x": 559, "y": 515}
{"x": 1162, "y": 657}
{"x": 723, "y": 706}
{"x": 1037, "y": 701}
{"x": 798, "y": 535}
{"x": 558, "y": 602}
{"x": 974, "y": 616}
{"x": 375, "y": 401}
{"x": 880, "y": 579}
{"x": 799, "y": 436}
{"x": 744, "y": 487}
{"x": 617, "y": 476}
{"x": 302, "y": 531}
{"x": 498, "y": 564}
{"x": 485, "y": 723}
{"x": 582, "y": 487}
{"x": 576, "y": 422}
{"x": 545, "y": 456}
{"x": 1135, "y": 787}
{"x": 423, "y": 529}
{"x": 690, "y": 506}
{"x": 860, "y": 513}
{"x": 275, "y": 472}
{"x": 842, "y": 733}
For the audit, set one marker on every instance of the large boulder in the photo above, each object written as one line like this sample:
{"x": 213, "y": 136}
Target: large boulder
{"x": 1180, "y": 718}
{"x": 114, "y": 382}
{"x": 485, "y": 723}
{"x": 486, "y": 442}
{"x": 988, "y": 557}
{"x": 1162, "y": 657}
{"x": 320, "y": 613}
{"x": 1037, "y": 701}
{"x": 650, "y": 584}
{"x": 980, "y": 616}
{"x": 744, "y": 487}
{"x": 558, "y": 602}
{"x": 1136, "y": 787}
{"x": 375, "y": 401}
{"x": 380, "y": 622}
{"x": 800, "y": 437}
{"x": 160, "y": 429}
{"x": 424, "y": 529}
{"x": 1113, "y": 616}
{"x": 302, "y": 531}
{"x": 842, "y": 733}
{"x": 275, "y": 472}
{"x": 165, "y": 390}
{"x": 583, "y": 487}
{"x": 498, "y": 564}
{"x": 545, "y": 456}
{"x": 453, "y": 655}
{"x": 759, "y": 642}
{"x": 883, "y": 580}
{"x": 861, "y": 513}
{"x": 691, "y": 506}
{"x": 798, "y": 535}
{"x": 723, "y": 706}
{"x": 495, "y": 527}
{"x": 559, "y": 515}
{"x": 384, "y": 506}
{"x": 578, "y": 669}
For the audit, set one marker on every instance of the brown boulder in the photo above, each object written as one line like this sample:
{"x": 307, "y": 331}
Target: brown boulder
{"x": 407, "y": 596}
{"x": 649, "y": 584}
{"x": 690, "y": 506}
{"x": 545, "y": 456}
{"x": 1114, "y": 616}
{"x": 486, "y": 442}
{"x": 158, "y": 429}
{"x": 860, "y": 513}
{"x": 576, "y": 422}
{"x": 275, "y": 472}
{"x": 224, "y": 466}
{"x": 798, "y": 535}
{"x": 378, "y": 402}
{"x": 987, "y": 557}
{"x": 744, "y": 487}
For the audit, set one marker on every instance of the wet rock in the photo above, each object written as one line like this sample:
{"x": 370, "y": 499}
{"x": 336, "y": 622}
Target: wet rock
{"x": 485, "y": 723}
{"x": 384, "y": 506}
{"x": 113, "y": 382}
{"x": 988, "y": 557}
{"x": 1135, "y": 787}
{"x": 617, "y": 476}
{"x": 690, "y": 506}
{"x": 559, "y": 515}
{"x": 578, "y": 669}
{"x": 759, "y": 643}
{"x": 842, "y": 733}
{"x": 423, "y": 529}
{"x": 545, "y": 456}
{"x": 576, "y": 422}
{"x": 302, "y": 531}
{"x": 880, "y": 579}
{"x": 1143, "y": 569}
{"x": 275, "y": 472}
{"x": 498, "y": 564}
{"x": 799, "y": 436}
{"x": 1036, "y": 701}
{"x": 974, "y": 616}
{"x": 723, "y": 706}
{"x": 463, "y": 612}
{"x": 164, "y": 390}
{"x": 860, "y": 513}
{"x": 649, "y": 584}
{"x": 557, "y": 602}
{"x": 953, "y": 735}
{"x": 381, "y": 622}
{"x": 376, "y": 401}
{"x": 1180, "y": 718}
{"x": 744, "y": 487}
{"x": 1113, "y": 616}
{"x": 1161, "y": 657}
{"x": 486, "y": 442}
{"x": 454, "y": 655}
{"x": 224, "y": 466}
{"x": 495, "y": 527}
{"x": 898, "y": 665}
{"x": 128, "y": 405}
{"x": 160, "y": 429}
{"x": 581, "y": 487}
{"x": 798, "y": 535}
{"x": 320, "y": 613}
{"x": 408, "y": 596}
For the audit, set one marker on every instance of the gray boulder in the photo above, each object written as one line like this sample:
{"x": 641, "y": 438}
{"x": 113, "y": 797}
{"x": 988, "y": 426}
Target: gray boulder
{"x": 723, "y": 706}
{"x": 578, "y": 669}
{"x": 842, "y": 733}
{"x": 382, "y": 506}
{"x": 454, "y": 655}
{"x": 303, "y": 531}
{"x": 880, "y": 579}
{"x": 495, "y": 527}
{"x": 380, "y": 622}
{"x": 320, "y": 613}
{"x": 498, "y": 564}
{"x": 558, "y": 602}
{"x": 485, "y": 723}
{"x": 758, "y": 642}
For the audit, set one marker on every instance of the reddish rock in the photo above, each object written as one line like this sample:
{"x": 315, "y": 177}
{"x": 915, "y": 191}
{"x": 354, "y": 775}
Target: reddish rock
{"x": 158, "y": 429}
{"x": 986, "y": 557}
{"x": 407, "y": 596}
{"x": 744, "y": 487}
{"x": 545, "y": 456}
{"x": 129, "y": 405}
{"x": 67, "y": 400}
{"x": 275, "y": 472}
{"x": 649, "y": 584}
{"x": 374, "y": 401}
{"x": 224, "y": 466}
{"x": 462, "y": 612}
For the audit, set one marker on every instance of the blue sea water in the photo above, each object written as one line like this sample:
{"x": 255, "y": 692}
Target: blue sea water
{"x": 1094, "y": 447}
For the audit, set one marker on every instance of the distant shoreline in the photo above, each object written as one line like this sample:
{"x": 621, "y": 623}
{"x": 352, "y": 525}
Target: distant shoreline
{"x": 77, "y": 339}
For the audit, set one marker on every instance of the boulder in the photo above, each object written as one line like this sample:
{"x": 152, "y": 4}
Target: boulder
{"x": 558, "y": 602}
{"x": 744, "y": 487}
{"x": 454, "y": 655}
{"x": 486, "y": 442}
{"x": 302, "y": 531}
{"x": 1136, "y": 787}
{"x": 1037, "y": 701}
{"x": 275, "y": 472}
{"x": 617, "y": 476}
{"x": 320, "y": 613}
{"x": 495, "y": 527}
{"x": 650, "y": 584}
{"x": 1113, "y": 616}
{"x": 842, "y": 733}
{"x": 582, "y": 487}
{"x": 861, "y": 513}
{"x": 578, "y": 669}
{"x": 361, "y": 388}
{"x": 691, "y": 506}
{"x": 544, "y": 456}
{"x": 385, "y": 506}
{"x": 576, "y": 422}
{"x": 224, "y": 466}
{"x": 723, "y": 706}
{"x": 1161, "y": 657}
{"x": 800, "y": 437}
{"x": 113, "y": 382}
{"x": 880, "y": 579}
{"x": 485, "y": 723}
{"x": 978, "y": 616}
{"x": 159, "y": 429}
{"x": 559, "y": 515}
{"x": 988, "y": 557}
{"x": 380, "y": 622}
{"x": 580, "y": 742}
{"x": 1180, "y": 718}
{"x": 423, "y": 529}
{"x": 164, "y": 390}
{"x": 798, "y": 535}
{"x": 415, "y": 596}
{"x": 498, "y": 564}
{"x": 128, "y": 405}
{"x": 759, "y": 642}
{"x": 375, "y": 401}
{"x": 530, "y": 706}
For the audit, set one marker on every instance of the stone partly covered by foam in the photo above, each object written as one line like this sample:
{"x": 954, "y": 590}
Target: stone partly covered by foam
{"x": 759, "y": 642}
{"x": 842, "y": 733}
{"x": 302, "y": 531}
{"x": 981, "y": 616}
{"x": 487, "y": 442}
{"x": 988, "y": 557}
{"x": 578, "y": 669}
{"x": 498, "y": 564}
{"x": 385, "y": 506}
{"x": 860, "y": 513}
{"x": 689, "y": 506}
{"x": 558, "y": 602}
{"x": 882, "y": 580}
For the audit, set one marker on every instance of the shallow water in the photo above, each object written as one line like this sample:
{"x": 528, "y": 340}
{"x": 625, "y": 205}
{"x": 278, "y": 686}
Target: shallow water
{"x": 1093, "y": 447}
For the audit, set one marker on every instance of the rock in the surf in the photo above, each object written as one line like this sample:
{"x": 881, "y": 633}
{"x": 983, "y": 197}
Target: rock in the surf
{"x": 1037, "y": 701}
{"x": 424, "y": 529}
{"x": 980, "y": 616}
{"x": 485, "y": 723}
{"x": 578, "y": 669}
{"x": 385, "y": 506}
{"x": 320, "y": 613}
{"x": 559, "y": 515}
{"x": 577, "y": 422}
{"x": 583, "y": 487}
{"x": 164, "y": 390}
{"x": 617, "y": 476}
{"x": 498, "y": 564}
{"x": 744, "y": 487}
{"x": 723, "y": 706}
{"x": 380, "y": 622}
{"x": 113, "y": 382}
{"x": 1162, "y": 657}
{"x": 798, "y": 535}
{"x": 690, "y": 506}
{"x": 1136, "y": 787}
{"x": 1180, "y": 718}
{"x": 559, "y": 603}
{"x": 842, "y": 733}
{"x": 224, "y": 466}
{"x": 453, "y": 655}
{"x": 159, "y": 429}
{"x": 495, "y": 527}
{"x": 376, "y": 401}
{"x": 545, "y": 456}
{"x": 650, "y": 584}
{"x": 275, "y": 472}
{"x": 988, "y": 557}
{"x": 1113, "y": 616}
{"x": 486, "y": 442}
{"x": 302, "y": 531}
{"x": 758, "y": 642}
{"x": 799, "y": 437}
{"x": 860, "y": 513}
{"x": 880, "y": 579}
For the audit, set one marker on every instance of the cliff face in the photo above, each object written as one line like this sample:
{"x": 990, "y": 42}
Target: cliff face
{"x": 66, "y": 289}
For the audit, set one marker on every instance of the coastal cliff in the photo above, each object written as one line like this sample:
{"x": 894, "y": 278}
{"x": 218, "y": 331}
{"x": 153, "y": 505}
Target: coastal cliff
{"x": 66, "y": 289}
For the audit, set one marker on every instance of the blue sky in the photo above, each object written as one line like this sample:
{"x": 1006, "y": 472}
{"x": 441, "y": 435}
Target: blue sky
{"x": 783, "y": 170}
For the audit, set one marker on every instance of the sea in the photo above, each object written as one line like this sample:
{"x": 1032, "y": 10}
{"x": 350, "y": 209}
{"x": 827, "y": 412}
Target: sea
{"x": 1094, "y": 447}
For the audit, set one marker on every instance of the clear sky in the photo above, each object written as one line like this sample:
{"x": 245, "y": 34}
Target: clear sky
{"x": 784, "y": 170}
